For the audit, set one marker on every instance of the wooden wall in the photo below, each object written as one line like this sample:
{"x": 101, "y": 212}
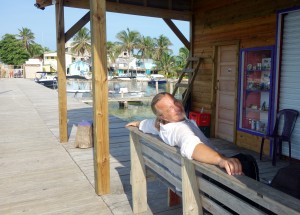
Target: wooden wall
{"x": 251, "y": 23}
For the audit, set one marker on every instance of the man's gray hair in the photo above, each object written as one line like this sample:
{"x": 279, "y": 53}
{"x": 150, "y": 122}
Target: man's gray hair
{"x": 156, "y": 99}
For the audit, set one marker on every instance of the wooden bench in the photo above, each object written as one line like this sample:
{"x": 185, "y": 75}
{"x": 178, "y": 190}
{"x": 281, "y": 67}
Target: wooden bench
{"x": 198, "y": 182}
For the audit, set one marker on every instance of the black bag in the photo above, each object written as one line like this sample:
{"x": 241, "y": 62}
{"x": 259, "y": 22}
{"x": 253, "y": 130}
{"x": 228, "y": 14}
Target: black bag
{"x": 249, "y": 165}
{"x": 287, "y": 180}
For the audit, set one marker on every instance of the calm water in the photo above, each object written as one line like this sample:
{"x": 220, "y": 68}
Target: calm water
{"x": 134, "y": 111}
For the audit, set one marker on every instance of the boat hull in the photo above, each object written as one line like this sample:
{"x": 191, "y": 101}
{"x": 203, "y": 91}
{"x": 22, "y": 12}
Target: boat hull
{"x": 48, "y": 83}
{"x": 153, "y": 82}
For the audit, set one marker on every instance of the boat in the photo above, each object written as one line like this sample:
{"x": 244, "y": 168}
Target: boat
{"x": 47, "y": 79}
{"x": 157, "y": 78}
{"x": 123, "y": 92}
{"x": 78, "y": 86}
{"x": 124, "y": 78}
{"x": 142, "y": 77}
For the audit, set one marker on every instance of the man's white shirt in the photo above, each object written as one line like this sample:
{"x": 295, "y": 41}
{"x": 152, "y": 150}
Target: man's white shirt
{"x": 184, "y": 134}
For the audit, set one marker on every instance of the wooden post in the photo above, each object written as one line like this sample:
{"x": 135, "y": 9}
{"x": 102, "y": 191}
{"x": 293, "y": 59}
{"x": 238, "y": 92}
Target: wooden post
{"x": 100, "y": 97}
{"x": 190, "y": 191}
{"x": 61, "y": 70}
{"x": 138, "y": 175}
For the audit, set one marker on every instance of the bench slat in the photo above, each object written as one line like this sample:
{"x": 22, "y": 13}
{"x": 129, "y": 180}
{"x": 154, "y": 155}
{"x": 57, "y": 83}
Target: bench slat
{"x": 162, "y": 160}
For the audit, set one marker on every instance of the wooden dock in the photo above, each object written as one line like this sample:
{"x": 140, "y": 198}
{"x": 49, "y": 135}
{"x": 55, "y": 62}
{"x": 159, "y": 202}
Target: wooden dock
{"x": 38, "y": 175}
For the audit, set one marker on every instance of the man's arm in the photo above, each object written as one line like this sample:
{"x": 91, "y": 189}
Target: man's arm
{"x": 207, "y": 155}
{"x": 146, "y": 126}
{"x": 134, "y": 124}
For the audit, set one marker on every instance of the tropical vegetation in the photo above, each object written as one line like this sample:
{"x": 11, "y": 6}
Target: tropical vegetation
{"x": 16, "y": 49}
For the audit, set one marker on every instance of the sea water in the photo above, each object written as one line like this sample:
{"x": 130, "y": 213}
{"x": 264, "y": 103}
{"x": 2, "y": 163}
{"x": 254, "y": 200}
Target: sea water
{"x": 134, "y": 111}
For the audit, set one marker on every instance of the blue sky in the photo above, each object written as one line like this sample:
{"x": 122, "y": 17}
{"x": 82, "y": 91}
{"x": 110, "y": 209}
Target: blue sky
{"x": 22, "y": 13}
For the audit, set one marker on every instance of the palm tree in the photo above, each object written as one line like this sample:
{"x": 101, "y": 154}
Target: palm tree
{"x": 26, "y": 36}
{"x": 181, "y": 59}
{"x": 128, "y": 40}
{"x": 36, "y": 50}
{"x": 113, "y": 51}
{"x": 167, "y": 64}
{"x": 82, "y": 42}
{"x": 162, "y": 44}
{"x": 145, "y": 47}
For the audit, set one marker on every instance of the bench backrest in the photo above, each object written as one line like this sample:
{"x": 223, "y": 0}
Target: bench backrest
{"x": 202, "y": 185}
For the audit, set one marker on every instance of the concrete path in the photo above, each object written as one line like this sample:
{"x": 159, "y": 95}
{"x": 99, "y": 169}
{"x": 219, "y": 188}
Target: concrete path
{"x": 37, "y": 175}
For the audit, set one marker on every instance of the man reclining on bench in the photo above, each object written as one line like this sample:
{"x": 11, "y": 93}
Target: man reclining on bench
{"x": 175, "y": 129}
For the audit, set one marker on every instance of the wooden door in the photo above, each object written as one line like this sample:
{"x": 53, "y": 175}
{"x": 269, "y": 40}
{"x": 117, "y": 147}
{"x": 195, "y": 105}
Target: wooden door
{"x": 226, "y": 92}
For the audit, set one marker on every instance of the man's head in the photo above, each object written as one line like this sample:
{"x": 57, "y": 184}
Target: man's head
{"x": 167, "y": 108}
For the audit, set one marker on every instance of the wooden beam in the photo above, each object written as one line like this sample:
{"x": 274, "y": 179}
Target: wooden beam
{"x": 100, "y": 97}
{"x": 178, "y": 33}
{"x": 134, "y": 10}
{"x": 61, "y": 72}
{"x": 77, "y": 26}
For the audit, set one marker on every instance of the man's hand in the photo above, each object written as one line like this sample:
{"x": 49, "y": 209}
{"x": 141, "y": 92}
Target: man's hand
{"x": 134, "y": 123}
{"x": 205, "y": 154}
{"x": 232, "y": 165}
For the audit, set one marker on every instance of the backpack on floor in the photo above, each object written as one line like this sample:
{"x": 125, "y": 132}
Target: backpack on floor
{"x": 249, "y": 165}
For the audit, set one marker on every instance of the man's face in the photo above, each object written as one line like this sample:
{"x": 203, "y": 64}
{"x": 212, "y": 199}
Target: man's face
{"x": 170, "y": 109}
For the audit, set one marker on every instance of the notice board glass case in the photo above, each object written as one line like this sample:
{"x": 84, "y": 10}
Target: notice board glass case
{"x": 255, "y": 89}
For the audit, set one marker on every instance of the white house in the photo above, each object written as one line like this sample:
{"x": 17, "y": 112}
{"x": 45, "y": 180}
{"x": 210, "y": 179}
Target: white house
{"x": 32, "y": 66}
{"x": 50, "y": 61}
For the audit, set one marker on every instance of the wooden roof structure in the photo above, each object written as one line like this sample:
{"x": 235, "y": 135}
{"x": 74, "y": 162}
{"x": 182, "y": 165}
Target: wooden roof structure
{"x": 167, "y": 10}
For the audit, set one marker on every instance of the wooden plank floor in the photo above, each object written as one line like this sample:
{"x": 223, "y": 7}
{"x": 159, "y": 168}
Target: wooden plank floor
{"x": 38, "y": 175}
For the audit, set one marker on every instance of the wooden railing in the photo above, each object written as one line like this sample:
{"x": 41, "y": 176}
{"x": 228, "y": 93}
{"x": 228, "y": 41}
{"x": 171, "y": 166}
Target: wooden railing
{"x": 203, "y": 186}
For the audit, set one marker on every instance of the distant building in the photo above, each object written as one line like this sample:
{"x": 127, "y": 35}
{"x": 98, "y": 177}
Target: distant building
{"x": 79, "y": 68}
{"x": 129, "y": 66}
{"x": 50, "y": 61}
{"x": 32, "y": 66}
{"x": 147, "y": 65}
{"x": 74, "y": 63}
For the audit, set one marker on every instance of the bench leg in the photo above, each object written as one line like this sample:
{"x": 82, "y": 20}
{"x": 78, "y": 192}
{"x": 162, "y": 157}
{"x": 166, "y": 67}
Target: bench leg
{"x": 190, "y": 192}
{"x": 138, "y": 175}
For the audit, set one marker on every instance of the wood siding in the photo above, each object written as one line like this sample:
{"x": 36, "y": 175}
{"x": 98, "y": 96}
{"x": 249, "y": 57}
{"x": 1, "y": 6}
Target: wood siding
{"x": 251, "y": 23}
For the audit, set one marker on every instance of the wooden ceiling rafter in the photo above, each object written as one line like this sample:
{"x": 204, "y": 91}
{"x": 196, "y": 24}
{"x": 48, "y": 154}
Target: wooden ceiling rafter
{"x": 77, "y": 26}
{"x": 178, "y": 33}
{"x": 126, "y": 8}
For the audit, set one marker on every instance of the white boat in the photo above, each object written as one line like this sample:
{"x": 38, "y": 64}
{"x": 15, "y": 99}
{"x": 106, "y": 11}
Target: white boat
{"x": 142, "y": 77}
{"x": 123, "y": 92}
{"x": 47, "y": 79}
{"x": 157, "y": 78}
{"x": 124, "y": 78}
{"x": 78, "y": 86}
